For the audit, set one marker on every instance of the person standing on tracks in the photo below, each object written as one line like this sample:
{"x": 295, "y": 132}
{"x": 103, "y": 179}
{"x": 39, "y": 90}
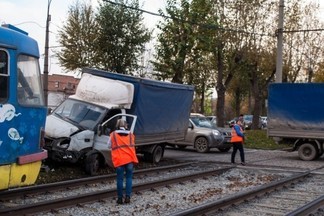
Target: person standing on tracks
{"x": 237, "y": 139}
{"x": 123, "y": 154}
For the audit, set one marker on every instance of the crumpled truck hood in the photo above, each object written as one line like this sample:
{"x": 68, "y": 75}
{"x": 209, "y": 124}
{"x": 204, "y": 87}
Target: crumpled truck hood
{"x": 56, "y": 127}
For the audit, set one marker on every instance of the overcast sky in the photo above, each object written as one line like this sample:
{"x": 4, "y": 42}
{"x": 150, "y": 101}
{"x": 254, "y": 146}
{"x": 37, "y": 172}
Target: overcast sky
{"x": 30, "y": 16}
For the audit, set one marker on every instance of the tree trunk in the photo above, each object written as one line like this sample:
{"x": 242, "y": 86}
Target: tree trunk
{"x": 257, "y": 95}
{"x": 237, "y": 101}
{"x": 202, "y": 107}
{"x": 220, "y": 87}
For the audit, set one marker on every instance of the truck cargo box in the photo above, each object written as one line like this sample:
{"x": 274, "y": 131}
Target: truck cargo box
{"x": 296, "y": 110}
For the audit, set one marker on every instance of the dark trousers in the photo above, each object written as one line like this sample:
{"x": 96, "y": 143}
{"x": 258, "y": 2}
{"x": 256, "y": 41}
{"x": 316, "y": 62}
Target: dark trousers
{"x": 238, "y": 146}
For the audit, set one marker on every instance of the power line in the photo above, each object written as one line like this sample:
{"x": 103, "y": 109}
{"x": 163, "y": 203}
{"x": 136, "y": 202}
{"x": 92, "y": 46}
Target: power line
{"x": 307, "y": 30}
{"x": 29, "y": 22}
{"x": 209, "y": 26}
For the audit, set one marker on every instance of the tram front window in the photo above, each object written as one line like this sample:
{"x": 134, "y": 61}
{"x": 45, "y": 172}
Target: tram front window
{"x": 3, "y": 76}
{"x": 29, "y": 81}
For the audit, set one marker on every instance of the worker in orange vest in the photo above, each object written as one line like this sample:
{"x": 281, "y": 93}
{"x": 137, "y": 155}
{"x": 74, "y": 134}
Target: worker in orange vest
{"x": 237, "y": 139}
{"x": 123, "y": 154}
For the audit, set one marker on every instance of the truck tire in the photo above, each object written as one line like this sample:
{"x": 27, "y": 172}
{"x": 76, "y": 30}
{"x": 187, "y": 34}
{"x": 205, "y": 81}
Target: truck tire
{"x": 201, "y": 145}
{"x": 92, "y": 164}
{"x": 307, "y": 152}
{"x": 155, "y": 156}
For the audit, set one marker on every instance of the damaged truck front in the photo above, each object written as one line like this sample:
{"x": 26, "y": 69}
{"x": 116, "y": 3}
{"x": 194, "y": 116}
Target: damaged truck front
{"x": 77, "y": 131}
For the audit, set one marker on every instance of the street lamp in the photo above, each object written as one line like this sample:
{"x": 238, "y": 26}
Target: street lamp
{"x": 45, "y": 75}
{"x": 280, "y": 42}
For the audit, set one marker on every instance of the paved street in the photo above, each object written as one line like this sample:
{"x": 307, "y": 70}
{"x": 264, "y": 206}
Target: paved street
{"x": 275, "y": 158}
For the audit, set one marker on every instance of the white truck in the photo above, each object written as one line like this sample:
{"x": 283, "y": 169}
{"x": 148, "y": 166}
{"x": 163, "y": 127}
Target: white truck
{"x": 77, "y": 130}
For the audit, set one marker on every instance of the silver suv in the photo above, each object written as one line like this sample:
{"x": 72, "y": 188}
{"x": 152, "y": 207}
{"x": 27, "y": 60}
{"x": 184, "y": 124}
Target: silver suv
{"x": 202, "y": 136}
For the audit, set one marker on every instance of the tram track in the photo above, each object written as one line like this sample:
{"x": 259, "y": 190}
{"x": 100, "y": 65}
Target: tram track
{"x": 218, "y": 205}
{"x": 313, "y": 207}
{"x": 69, "y": 184}
{"x": 210, "y": 200}
{"x": 100, "y": 195}
{"x": 284, "y": 197}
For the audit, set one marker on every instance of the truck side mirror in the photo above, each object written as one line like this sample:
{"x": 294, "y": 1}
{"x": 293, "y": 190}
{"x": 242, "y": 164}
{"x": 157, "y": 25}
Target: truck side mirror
{"x": 99, "y": 130}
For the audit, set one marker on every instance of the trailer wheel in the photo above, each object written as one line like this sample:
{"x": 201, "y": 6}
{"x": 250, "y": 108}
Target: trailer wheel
{"x": 92, "y": 164}
{"x": 155, "y": 156}
{"x": 307, "y": 152}
{"x": 201, "y": 145}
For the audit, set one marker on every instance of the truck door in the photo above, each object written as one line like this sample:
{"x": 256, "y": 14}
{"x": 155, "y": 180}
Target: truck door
{"x": 104, "y": 130}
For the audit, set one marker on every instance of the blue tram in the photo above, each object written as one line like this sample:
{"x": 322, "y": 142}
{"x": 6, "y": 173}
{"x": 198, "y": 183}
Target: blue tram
{"x": 22, "y": 109}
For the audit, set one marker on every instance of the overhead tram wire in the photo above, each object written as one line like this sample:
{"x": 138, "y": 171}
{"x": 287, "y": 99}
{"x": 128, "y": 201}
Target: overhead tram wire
{"x": 210, "y": 26}
{"x": 307, "y": 30}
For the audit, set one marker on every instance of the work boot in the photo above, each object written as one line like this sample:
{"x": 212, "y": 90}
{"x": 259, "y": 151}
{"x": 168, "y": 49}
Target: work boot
{"x": 120, "y": 201}
{"x": 127, "y": 199}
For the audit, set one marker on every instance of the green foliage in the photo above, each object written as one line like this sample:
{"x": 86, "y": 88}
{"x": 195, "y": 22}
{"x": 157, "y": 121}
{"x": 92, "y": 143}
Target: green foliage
{"x": 182, "y": 46}
{"x": 77, "y": 37}
{"x": 112, "y": 39}
{"x": 122, "y": 36}
{"x": 257, "y": 139}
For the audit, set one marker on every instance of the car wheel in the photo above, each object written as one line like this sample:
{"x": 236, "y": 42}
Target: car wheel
{"x": 307, "y": 152}
{"x": 92, "y": 164}
{"x": 224, "y": 149}
{"x": 201, "y": 145}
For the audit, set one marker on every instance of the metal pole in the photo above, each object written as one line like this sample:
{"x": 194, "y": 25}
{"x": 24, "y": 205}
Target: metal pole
{"x": 45, "y": 75}
{"x": 280, "y": 42}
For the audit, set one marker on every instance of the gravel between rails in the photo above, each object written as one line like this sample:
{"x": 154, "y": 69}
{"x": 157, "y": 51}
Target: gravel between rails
{"x": 166, "y": 200}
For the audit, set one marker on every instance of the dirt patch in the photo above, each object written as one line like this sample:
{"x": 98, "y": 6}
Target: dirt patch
{"x": 55, "y": 172}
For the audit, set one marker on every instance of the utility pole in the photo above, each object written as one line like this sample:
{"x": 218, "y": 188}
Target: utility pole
{"x": 280, "y": 42}
{"x": 45, "y": 75}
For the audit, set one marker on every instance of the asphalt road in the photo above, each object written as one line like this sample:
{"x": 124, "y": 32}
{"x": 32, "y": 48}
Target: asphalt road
{"x": 269, "y": 158}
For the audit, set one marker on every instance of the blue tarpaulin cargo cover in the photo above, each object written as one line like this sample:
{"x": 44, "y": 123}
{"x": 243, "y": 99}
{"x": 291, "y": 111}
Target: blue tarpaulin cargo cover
{"x": 163, "y": 108}
{"x": 296, "y": 110}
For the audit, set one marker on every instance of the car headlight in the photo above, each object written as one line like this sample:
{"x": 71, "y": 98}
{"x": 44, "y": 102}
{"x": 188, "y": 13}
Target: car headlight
{"x": 216, "y": 133}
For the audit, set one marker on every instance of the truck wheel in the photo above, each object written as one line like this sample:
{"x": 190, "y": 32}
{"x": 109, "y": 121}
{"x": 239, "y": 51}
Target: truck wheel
{"x": 92, "y": 164}
{"x": 307, "y": 152}
{"x": 224, "y": 149}
{"x": 155, "y": 156}
{"x": 201, "y": 145}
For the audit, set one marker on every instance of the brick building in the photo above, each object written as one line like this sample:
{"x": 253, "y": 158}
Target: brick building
{"x": 60, "y": 87}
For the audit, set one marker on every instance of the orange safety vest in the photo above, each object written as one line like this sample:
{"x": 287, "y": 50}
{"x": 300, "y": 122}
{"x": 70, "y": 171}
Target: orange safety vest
{"x": 123, "y": 149}
{"x": 236, "y": 138}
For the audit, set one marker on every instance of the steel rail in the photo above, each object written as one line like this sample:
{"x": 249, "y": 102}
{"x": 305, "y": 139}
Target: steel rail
{"x": 309, "y": 208}
{"x": 100, "y": 195}
{"x": 214, "y": 206}
{"x": 36, "y": 189}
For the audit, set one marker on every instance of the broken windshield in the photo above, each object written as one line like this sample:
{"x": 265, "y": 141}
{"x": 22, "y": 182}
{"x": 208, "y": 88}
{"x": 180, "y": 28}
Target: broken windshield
{"x": 81, "y": 113}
